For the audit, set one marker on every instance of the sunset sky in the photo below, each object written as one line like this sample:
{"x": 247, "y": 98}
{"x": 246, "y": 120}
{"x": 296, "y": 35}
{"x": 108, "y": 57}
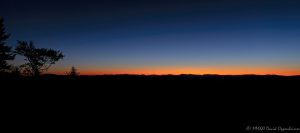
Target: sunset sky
{"x": 161, "y": 36}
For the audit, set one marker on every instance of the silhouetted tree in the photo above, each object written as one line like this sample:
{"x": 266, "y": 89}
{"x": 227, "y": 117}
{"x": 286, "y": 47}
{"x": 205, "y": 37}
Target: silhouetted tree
{"x": 15, "y": 71}
{"x": 5, "y": 51}
{"x": 73, "y": 72}
{"x": 39, "y": 59}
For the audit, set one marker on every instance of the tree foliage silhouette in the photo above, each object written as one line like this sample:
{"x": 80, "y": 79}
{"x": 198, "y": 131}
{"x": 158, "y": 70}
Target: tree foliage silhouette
{"x": 38, "y": 59}
{"x": 73, "y": 72}
{"x": 5, "y": 51}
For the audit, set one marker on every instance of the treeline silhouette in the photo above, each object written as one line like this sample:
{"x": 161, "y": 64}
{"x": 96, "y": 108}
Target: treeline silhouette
{"x": 37, "y": 60}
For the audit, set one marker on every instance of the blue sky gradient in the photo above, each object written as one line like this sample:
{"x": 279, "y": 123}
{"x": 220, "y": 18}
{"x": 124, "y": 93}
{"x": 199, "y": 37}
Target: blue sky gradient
{"x": 105, "y": 34}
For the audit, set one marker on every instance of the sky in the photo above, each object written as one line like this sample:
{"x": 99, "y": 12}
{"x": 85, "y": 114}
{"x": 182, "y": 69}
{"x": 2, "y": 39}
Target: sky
{"x": 161, "y": 36}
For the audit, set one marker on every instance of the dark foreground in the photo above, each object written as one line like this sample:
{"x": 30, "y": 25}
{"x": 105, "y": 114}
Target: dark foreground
{"x": 156, "y": 81}
{"x": 209, "y": 103}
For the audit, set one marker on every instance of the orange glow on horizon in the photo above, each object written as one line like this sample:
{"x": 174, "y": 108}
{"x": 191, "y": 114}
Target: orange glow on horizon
{"x": 186, "y": 70}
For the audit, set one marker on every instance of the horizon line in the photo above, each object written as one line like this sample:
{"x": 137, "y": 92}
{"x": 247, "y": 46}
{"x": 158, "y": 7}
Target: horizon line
{"x": 174, "y": 74}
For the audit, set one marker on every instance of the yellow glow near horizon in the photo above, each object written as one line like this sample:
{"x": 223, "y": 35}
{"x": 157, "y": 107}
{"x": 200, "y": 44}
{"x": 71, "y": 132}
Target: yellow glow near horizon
{"x": 186, "y": 70}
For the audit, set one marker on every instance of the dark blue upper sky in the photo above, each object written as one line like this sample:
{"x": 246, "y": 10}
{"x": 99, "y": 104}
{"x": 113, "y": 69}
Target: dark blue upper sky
{"x": 119, "y": 34}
